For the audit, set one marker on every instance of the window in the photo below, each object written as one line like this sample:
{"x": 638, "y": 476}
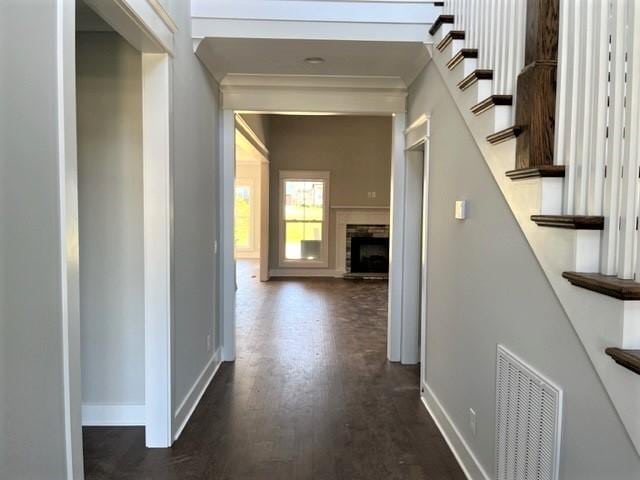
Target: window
{"x": 243, "y": 217}
{"x": 303, "y": 231}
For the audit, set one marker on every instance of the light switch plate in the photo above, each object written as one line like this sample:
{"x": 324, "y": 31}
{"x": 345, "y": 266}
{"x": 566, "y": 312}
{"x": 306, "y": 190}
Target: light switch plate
{"x": 461, "y": 209}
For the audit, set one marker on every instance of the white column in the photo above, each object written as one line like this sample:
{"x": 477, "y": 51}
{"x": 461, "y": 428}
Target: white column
{"x": 69, "y": 253}
{"x": 396, "y": 246}
{"x": 157, "y": 248}
{"x": 227, "y": 261}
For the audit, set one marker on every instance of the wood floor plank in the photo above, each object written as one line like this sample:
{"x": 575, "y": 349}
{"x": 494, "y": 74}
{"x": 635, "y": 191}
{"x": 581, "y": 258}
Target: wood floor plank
{"x": 310, "y": 396}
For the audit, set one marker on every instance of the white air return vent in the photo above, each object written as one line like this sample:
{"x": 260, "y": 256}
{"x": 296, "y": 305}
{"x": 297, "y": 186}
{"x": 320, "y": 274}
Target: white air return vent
{"x": 528, "y": 421}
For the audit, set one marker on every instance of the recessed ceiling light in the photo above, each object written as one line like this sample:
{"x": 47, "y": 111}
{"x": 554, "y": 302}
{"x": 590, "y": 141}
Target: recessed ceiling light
{"x": 314, "y": 60}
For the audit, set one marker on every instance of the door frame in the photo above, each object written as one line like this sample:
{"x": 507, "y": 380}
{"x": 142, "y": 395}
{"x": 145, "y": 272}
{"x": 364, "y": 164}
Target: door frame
{"x": 261, "y": 153}
{"x": 416, "y": 203}
{"x": 311, "y": 95}
{"x": 151, "y": 32}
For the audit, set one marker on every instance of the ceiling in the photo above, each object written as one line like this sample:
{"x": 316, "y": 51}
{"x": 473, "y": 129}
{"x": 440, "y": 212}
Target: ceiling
{"x": 286, "y": 57}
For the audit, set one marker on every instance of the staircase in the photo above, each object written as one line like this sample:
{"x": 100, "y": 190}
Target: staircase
{"x": 565, "y": 154}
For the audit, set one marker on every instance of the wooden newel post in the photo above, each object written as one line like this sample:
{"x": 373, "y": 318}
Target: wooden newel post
{"x": 536, "y": 94}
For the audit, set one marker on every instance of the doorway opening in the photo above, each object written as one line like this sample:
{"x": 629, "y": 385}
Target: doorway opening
{"x": 111, "y": 224}
{"x": 124, "y": 229}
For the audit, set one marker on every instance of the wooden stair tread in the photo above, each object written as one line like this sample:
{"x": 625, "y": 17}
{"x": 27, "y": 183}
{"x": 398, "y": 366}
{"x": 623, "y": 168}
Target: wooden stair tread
{"x": 627, "y": 358}
{"x": 576, "y": 222}
{"x": 460, "y": 56}
{"x": 439, "y": 21}
{"x": 543, "y": 171}
{"x": 490, "y": 102}
{"x": 504, "y": 135}
{"x": 606, "y": 284}
{"x": 473, "y": 77}
{"x": 449, "y": 37}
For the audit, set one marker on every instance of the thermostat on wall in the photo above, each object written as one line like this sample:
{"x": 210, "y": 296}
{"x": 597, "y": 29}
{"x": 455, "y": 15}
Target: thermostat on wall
{"x": 461, "y": 209}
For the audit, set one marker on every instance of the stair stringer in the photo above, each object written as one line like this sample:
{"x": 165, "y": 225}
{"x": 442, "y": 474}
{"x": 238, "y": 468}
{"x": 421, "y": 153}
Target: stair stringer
{"x": 598, "y": 320}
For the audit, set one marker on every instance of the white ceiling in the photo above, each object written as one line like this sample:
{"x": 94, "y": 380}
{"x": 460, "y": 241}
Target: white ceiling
{"x": 286, "y": 57}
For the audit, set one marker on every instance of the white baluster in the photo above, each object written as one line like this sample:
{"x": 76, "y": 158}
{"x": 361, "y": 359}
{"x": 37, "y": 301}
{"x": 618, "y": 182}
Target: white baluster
{"x": 632, "y": 118}
{"x": 613, "y": 133}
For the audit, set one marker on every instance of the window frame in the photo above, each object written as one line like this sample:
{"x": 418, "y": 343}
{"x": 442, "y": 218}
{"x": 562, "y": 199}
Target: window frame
{"x": 304, "y": 176}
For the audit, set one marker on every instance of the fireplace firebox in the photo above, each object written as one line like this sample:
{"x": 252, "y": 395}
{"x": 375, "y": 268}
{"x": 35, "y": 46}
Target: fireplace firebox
{"x": 369, "y": 255}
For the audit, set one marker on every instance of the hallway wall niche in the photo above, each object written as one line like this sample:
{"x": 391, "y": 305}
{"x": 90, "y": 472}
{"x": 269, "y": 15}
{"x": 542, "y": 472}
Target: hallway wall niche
{"x": 110, "y": 193}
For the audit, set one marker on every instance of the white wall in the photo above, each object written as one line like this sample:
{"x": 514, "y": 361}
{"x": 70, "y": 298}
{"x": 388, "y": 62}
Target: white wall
{"x": 109, "y": 90}
{"x": 32, "y": 423}
{"x": 468, "y": 316}
{"x": 195, "y": 160}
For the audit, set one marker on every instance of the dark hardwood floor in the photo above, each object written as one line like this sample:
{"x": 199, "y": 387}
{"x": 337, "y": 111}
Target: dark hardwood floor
{"x": 311, "y": 396}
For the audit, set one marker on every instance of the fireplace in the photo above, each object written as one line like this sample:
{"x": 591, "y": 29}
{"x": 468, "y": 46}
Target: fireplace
{"x": 369, "y": 255}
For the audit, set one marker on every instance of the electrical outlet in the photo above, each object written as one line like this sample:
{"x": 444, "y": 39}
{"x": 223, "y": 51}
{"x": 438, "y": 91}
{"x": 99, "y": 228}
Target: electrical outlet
{"x": 472, "y": 421}
{"x": 215, "y": 247}
{"x": 209, "y": 343}
{"x": 373, "y": 194}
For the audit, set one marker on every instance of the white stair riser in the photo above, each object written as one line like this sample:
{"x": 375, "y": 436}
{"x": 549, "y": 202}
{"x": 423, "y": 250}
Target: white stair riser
{"x": 631, "y": 325}
{"x": 587, "y": 242}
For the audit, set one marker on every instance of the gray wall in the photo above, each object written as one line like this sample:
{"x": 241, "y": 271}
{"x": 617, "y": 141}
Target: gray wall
{"x": 356, "y": 150}
{"x": 109, "y": 109}
{"x": 195, "y": 195}
{"x": 485, "y": 287}
{"x": 31, "y": 372}
{"x": 259, "y": 124}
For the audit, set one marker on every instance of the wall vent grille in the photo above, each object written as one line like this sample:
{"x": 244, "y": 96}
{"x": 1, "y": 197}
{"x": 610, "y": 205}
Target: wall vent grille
{"x": 528, "y": 420}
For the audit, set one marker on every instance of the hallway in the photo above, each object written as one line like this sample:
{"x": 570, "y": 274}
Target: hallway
{"x": 310, "y": 396}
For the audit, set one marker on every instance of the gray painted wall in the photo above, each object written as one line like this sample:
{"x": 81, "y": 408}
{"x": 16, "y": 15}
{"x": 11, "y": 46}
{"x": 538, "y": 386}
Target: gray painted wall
{"x": 31, "y": 376}
{"x": 259, "y": 123}
{"x": 195, "y": 195}
{"x": 356, "y": 150}
{"x": 485, "y": 287}
{"x": 109, "y": 109}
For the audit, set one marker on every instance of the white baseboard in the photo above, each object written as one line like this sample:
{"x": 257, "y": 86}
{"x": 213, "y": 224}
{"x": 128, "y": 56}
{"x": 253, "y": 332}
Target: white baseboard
{"x": 467, "y": 460}
{"x": 192, "y": 399}
{"x": 303, "y": 272}
{"x": 112, "y": 415}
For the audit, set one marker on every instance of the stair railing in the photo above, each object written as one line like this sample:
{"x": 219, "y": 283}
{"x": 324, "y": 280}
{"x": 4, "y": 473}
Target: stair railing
{"x": 497, "y": 29}
{"x": 598, "y": 122}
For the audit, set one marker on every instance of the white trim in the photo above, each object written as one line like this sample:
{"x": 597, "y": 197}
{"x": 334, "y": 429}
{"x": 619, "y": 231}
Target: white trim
{"x": 304, "y": 175}
{"x": 139, "y": 22}
{"x": 358, "y": 207}
{"x": 227, "y": 295}
{"x": 157, "y": 247}
{"x": 163, "y": 14}
{"x": 251, "y": 136}
{"x": 197, "y": 390}
{"x": 469, "y": 463}
{"x": 306, "y": 93}
{"x": 264, "y": 221}
{"x": 112, "y": 415}
{"x": 396, "y": 239}
{"x": 424, "y": 255}
{"x": 304, "y": 272}
{"x": 69, "y": 249}
{"x": 355, "y": 216}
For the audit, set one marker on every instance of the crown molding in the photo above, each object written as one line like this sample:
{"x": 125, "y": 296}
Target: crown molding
{"x": 320, "y": 94}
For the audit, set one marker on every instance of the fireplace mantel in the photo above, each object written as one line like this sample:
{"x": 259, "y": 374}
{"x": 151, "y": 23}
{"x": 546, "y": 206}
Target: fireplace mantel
{"x": 354, "y": 216}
